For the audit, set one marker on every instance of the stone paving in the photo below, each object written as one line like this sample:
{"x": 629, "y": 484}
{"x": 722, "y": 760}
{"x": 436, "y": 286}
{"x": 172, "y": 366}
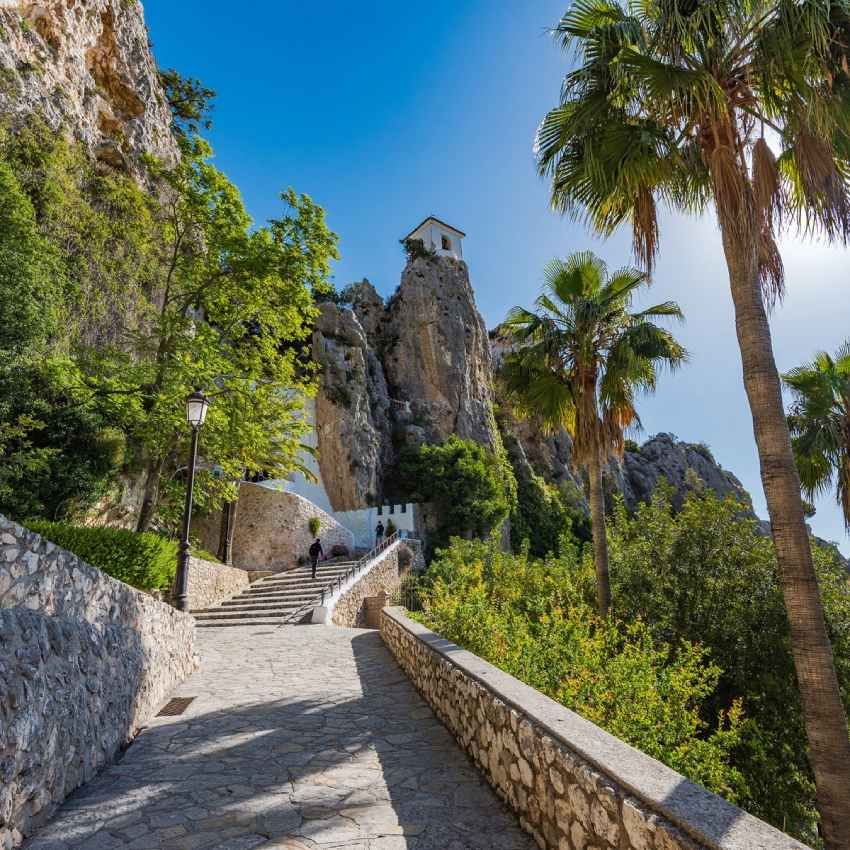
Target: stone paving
{"x": 299, "y": 737}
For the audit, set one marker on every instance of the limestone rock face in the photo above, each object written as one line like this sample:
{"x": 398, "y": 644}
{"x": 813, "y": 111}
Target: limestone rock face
{"x": 368, "y": 306}
{"x": 86, "y": 66}
{"x": 436, "y": 353}
{"x": 665, "y": 457}
{"x": 352, "y": 398}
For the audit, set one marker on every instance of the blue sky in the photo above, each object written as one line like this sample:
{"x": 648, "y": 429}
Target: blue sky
{"x": 385, "y": 116}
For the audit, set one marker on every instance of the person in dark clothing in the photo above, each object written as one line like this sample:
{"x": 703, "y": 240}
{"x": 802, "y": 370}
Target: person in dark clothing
{"x": 379, "y": 533}
{"x": 316, "y": 552}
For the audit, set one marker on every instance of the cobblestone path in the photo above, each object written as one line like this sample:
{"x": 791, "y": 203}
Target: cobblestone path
{"x": 298, "y": 737}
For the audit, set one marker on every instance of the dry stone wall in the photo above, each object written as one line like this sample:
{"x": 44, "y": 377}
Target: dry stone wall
{"x": 85, "y": 660}
{"x": 573, "y": 786}
{"x": 211, "y": 583}
{"x": 272, "y": 529}
{"x": 349, "y": 609}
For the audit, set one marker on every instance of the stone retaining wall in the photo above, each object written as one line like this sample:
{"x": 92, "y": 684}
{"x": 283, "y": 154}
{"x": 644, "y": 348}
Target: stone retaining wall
{"x": 573, "y": 786}
{"x": 272, "y": 529}
{"x": 211, "y": 583}
{"x": 85, "y": 660}
{"x": 348, "y": 607}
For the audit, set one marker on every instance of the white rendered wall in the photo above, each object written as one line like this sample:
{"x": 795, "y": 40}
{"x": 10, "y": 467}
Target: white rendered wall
{"x": 361, "y": 523}
{"x": 431, "y": 234}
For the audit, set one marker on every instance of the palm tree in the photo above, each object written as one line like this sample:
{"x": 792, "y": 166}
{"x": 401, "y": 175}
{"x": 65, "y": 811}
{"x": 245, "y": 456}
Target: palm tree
{"x": 743, "y": 104}
{"x": 820, "y": 425}
{"x": 579, "y": 360}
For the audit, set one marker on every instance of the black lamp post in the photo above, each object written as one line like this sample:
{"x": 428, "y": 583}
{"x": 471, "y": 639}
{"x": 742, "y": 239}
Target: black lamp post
{"x": 196, "y": 411}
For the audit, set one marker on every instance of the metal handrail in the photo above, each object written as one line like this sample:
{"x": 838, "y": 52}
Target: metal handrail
{"x": 337, "y": 583}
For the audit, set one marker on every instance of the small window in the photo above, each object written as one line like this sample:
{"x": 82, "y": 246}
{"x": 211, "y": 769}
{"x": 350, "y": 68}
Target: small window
{"x": 404, "y": 508}
{"x": 380, "y": 511}
{"x": 446, "y": 242}
{"x": 392, "y": 509}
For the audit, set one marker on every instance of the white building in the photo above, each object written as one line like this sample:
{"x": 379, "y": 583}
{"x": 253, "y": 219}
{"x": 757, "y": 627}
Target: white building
{"x": 437, "y": 236}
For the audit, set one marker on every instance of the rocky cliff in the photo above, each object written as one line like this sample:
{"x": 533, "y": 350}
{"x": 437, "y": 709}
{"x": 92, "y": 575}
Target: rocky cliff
{"x": 409, "y": 371}
{"x": 86, "y": 67}
{"x": 419, "y": 367}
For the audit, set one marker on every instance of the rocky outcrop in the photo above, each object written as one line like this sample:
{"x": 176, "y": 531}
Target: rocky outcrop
{"x": 685, "y": 467}
{"x": 420, "y": 367}
{"x": 682, "y": 465}
{"x": 352, "y": 426}
{"x": 413, "y": 370}
{"x": 86, "y": 66}
{"x": 436, "y": 354}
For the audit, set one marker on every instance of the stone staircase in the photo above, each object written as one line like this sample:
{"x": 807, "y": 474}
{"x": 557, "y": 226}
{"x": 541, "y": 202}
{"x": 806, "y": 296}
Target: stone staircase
{"x": 280, "y": 598}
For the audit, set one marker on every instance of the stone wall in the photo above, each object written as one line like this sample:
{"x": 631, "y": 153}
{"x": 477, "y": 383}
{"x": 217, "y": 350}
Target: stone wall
{"x": 573, "y": 786}
{"x": 271, "y": 530}
{"x": 211, "y": 583}
{"x": 347, "y": 608}
{"x": 84, "y": 661}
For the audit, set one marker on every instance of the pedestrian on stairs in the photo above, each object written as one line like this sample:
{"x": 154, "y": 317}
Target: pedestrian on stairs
{"x": 379, "y": 533}
{"x": 316, "y": 552}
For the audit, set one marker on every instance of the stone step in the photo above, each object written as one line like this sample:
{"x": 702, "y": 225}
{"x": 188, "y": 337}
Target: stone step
{"x": 220, "y": 624}
{"x": 320, "y": 574}
{"x": 283, "y": 594}
{"x": 249, "y": 599}
{"x": 217, "y": 615}
{"x": 227, "y": 608}
{"x": 240, "y": 605}
{"x": 293, "y": 588}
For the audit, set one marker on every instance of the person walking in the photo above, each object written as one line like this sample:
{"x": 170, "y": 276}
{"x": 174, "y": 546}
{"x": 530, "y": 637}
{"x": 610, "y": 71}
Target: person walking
{"x": 316, "y": 552}
{"x": 379, "y": 533}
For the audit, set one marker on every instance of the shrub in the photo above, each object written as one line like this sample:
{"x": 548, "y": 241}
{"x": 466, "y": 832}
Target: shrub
{"x": 705, "y": 574}
{"x": 145, "y": 561}
{"x": 315, "y": 525}
{"x": 471, "y": 487}
{"x": 58, "y": 454}
{"x": 531, "y": 618}
{"x": 391, "y": 528}
{"x": 340, "y": 551}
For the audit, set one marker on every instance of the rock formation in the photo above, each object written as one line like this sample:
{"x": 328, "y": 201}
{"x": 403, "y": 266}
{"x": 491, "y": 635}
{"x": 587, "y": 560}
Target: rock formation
{"x": 351, "y": 410}
{"x": 86, "y": 66}
{"x": 419, "y": 368}
{"x": 413, "y": 370}
{"x": 436, "y": 353}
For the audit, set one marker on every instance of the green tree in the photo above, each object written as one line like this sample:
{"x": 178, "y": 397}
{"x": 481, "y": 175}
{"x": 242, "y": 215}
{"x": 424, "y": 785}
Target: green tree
{"x": 190, "y": 101}
{"x": 230, "y": 314}
{"x": 471, "y": 487}
{"x": 535, "y": 620}
{"x": 580, "y": 358}
{"x": 29, "y": 295}
{"x": 58, "y": 454}
{"x": 671, "y": 102}
{"x": 705, "y": 573}
{"x": 820, "y": 425}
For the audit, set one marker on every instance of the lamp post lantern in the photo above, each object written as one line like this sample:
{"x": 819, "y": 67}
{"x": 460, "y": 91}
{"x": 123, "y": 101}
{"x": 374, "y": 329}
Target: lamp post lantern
{"x": 196, "y": 412}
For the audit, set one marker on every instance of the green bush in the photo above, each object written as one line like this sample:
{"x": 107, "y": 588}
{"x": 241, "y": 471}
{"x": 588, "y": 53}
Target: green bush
{"x": 315, "y": 525}
{"x": 146, "y": 561}
{"x": 706, "y": 574}
{"x": 472, "y": 488}
{"x": 531, "y": 618}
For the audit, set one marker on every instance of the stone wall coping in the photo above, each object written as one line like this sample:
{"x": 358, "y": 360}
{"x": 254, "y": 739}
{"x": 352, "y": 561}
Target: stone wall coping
{"x": 704, "y": 816}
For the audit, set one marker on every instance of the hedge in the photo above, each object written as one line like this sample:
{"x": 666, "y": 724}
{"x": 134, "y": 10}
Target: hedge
{"x": 145, "y": 561}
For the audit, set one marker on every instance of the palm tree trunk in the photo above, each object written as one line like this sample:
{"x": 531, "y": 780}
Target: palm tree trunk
{"x": 600, "y": 542}
{"x": 823, "y": 711}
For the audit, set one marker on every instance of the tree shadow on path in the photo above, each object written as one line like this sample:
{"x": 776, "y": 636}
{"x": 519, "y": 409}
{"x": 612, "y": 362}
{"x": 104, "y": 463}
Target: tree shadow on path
{"x": 311, "y": 733}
